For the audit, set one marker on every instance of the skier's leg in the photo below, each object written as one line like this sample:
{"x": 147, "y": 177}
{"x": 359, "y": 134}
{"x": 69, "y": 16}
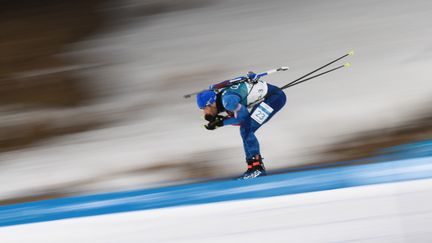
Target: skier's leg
{"x": 252, "y": 150}
{"x": 248, "y": 128}
{"x": 250, "y": 141}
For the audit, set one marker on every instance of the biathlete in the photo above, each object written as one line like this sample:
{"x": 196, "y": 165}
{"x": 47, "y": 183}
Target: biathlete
{"x": 248, "y": 104}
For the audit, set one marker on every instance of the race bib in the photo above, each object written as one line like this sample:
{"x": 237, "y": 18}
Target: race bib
{"x": 261, "y": 113}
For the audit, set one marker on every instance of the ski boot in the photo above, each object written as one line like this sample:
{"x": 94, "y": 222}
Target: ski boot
{"x": 255, "y": 168}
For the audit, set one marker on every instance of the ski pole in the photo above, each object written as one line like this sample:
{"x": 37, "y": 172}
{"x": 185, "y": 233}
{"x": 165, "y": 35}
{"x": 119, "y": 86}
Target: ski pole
{"x": 326, "y": 65}
{"x": 298, "y": 81}
{"x": 320, "y": 74}
{"x": 237, "y": 80}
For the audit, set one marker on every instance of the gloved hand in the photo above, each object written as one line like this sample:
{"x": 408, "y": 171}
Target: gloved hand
{"x": 209, "y": 117}
{"x": 214, "y": 122}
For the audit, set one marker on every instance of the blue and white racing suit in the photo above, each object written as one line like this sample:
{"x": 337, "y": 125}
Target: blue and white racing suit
{"x": 237, "y": 98}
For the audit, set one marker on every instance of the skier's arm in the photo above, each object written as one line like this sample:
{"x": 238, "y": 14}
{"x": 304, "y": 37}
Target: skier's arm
{"x": 239, "y": 116}
{"x": 232, "y": 103}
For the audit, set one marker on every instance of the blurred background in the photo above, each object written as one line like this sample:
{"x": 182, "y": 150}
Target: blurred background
{"x": 91, "y": 90}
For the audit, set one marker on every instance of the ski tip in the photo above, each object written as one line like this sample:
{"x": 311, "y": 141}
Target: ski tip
{"x": 347, "y": 64}
{"x": 283, "y": 68}
{"x": 351, "y": 53}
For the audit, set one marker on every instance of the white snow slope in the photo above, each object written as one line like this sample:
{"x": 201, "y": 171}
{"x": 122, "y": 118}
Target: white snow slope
{"x": 395, "y": 212}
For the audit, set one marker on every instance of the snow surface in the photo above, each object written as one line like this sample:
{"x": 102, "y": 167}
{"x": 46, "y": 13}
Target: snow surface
{"x": 396, "y": 212}
{"x": 154, "y": 60}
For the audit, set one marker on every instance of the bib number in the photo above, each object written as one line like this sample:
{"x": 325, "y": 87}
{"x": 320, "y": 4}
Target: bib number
{"x": 261, "y": 113}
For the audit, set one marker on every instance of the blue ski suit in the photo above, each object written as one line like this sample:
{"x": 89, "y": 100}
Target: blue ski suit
{"x": 235, "y": 100}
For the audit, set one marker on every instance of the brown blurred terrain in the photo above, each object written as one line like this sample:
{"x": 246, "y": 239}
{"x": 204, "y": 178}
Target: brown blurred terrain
{"x": 33, "y": 33}
{"x": 33, "y": 77}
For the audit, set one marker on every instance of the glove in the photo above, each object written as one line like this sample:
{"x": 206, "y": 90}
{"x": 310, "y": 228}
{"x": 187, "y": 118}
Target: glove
{"x": 215, "y": 123}
{"x": 209, "y": 117}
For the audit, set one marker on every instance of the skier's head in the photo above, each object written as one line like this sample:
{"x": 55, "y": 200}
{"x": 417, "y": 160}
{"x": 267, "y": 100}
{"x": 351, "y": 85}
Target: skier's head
{"x": 206, "y": 98}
